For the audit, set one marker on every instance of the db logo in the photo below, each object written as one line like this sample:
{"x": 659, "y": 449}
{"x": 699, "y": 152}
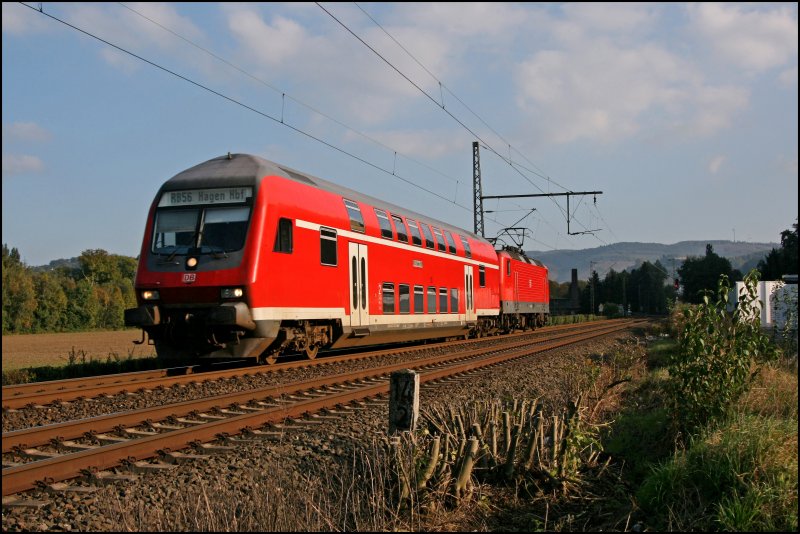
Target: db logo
{"x": 188, "y": 278}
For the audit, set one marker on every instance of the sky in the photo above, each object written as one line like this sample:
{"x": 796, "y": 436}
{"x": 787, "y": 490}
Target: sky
{"x": 683, "y": 115}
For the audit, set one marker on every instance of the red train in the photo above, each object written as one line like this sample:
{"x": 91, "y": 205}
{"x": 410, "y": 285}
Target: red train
{"x": 243, "y": 257}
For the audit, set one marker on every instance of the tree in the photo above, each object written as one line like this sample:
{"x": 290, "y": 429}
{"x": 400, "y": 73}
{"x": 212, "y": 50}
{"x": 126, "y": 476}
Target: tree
{"x": 51, "y": 310}
{"x": 19, "y": 295}
{"x": 700, "y": 275}
{"x": 781, "y": 261}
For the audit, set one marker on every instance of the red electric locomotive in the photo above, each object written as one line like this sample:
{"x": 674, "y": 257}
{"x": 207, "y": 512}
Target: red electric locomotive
{"x": 243, "y": 257}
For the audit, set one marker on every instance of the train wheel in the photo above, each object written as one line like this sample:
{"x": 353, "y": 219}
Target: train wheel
{"x": 311, "y": 351}
{"x": 269, "y": 359}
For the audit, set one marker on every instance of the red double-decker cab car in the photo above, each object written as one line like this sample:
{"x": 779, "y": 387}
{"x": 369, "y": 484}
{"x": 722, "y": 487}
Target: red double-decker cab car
{"x": 243, "y": 257}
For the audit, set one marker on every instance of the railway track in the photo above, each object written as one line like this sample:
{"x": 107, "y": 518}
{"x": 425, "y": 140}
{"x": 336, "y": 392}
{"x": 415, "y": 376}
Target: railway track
{"x": 43, "y": 393}
{"x": 53, "y": 453}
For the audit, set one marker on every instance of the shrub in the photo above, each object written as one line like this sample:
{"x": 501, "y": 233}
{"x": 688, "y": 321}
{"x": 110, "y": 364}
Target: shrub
{"x": 718, "y": 356}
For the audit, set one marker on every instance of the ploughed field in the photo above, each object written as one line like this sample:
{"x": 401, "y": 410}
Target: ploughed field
{"x": 36, "y": 350}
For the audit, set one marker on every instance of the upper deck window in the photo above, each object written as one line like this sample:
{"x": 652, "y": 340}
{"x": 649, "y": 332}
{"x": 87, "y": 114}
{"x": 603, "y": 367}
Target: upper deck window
{"x": 400, "y": 226}
{"x": 439, "y": 239}
{"x": 451, "y": 245}
{"x": 383, "y": 222}
{"x": 466, "y": 246}
{"x": 428, "y": 236}
{"x": 356, "y": 219}
{"x": 415, "y": 236}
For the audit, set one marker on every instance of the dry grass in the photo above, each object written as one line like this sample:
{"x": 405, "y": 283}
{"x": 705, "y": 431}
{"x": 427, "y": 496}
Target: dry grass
{"x": 774, "y": 394}
{"x": 37, "y": 350}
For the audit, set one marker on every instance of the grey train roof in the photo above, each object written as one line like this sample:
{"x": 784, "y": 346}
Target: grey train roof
{"x": 246, "y": 169}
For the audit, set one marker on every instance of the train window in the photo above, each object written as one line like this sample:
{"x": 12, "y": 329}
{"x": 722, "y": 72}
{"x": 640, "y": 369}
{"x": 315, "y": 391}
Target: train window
{"x": 356, "y": 219}
{"x": 383, "y": 222}
{"x": 283, "y": 237}
{"x": 508, "y": 267}
{"x": 223, "y": 229}
{"x": 442, "y": 300}
{"x": 453, "y": 300}
{"x": 175, "y": 230}
{"x": 428, "y": 236}
{"x": 327, "y": 246}
{"x": 439, "y": 238}
{"x": 419, "y": 298}
{"x": 431, "y": 300}
{"x": 403, "y": 298}
{"x": 482, "y": 276}
{"x": 400, "y": 226}
{"x": 415, "y": 236}
{"x": 451, "y": 245}
{"x": 466, "y": 246}
{"x": 388, "y": 297}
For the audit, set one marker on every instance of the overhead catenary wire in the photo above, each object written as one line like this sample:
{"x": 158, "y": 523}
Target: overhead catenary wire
{"x": 443, "y": 86}
{"x": 441, "y": 105}
{"x": 254, "y": 110}
{"x": 284, "y": 94}
{"x": 248, "y": 107}
{"x": 269, "y": 116}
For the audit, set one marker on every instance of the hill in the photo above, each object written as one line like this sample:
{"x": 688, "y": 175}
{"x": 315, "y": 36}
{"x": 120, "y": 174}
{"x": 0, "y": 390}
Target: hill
{"x": 622, "y": 256}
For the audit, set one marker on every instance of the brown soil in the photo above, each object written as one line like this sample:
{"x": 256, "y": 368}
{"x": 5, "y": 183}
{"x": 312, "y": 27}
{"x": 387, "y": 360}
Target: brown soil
{"x": 35, "y": 350}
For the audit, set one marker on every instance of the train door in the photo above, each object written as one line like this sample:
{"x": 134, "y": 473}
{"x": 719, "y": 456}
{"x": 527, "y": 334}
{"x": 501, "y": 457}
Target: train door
{"x": 469, "y": 297}
{"x": 359, "y": 299}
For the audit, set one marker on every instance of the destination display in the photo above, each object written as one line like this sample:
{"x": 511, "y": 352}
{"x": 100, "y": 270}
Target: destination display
{"x": 193, "y": 197}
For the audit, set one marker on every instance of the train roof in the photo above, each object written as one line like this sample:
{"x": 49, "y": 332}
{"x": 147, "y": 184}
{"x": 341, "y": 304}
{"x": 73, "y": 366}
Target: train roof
{"x": 246, "y": 169}
{"x": 520, "y": 256}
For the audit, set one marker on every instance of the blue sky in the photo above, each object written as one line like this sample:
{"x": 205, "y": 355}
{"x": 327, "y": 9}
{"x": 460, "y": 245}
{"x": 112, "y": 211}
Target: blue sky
{"x": 684, "y": 115}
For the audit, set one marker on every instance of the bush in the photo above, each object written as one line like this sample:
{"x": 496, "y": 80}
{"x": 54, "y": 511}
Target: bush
{"x": 718, "y": 357}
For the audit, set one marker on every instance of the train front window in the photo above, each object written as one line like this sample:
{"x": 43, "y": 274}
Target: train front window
{"x": 175, "y": 231}
{"x": 223, "y": 229}
{"x": 210, "y": 230}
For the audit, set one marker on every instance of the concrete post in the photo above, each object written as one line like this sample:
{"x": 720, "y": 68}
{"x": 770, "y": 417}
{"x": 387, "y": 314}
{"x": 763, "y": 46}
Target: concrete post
{"x": 403, "y": 401}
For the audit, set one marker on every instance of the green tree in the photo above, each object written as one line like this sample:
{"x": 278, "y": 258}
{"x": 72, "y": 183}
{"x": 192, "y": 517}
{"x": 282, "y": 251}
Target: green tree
{"x": 700, "y": 275}
{"x": 82, "y": 305}
{"x": 781, "y": 261}
{"x": 19, "y": 295}
{"x": 51, "y": 310}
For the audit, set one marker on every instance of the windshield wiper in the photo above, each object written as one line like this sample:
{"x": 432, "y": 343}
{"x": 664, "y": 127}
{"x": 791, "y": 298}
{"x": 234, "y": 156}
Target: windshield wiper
{"x": 169, "y": 258}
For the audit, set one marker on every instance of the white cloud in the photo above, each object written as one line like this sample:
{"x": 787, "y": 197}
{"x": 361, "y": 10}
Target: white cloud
{"x": 328, "y": 68}
{"x": 24, "y": 131}
{"x": 420, "y": 143}
{"x": 273, "y": 43}
{"x": 789, "y": 77}
{"x": 463, "y": 20}
{"x": 14, "y": 164}
{"x": 21, "y": 20}
{"x": 749, "y": 36}
{"x": 136, "y": 33}
{"x": 715, "y": 164}
{"x": 607, "y": 79}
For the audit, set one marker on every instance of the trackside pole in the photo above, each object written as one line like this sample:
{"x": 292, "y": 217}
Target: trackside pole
{"x": 403, "y": 401}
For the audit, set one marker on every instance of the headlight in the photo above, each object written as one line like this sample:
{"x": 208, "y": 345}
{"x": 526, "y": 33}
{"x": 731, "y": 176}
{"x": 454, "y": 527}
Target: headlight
{"x": 150, "y": 294}
{"x": 232, "y": 293}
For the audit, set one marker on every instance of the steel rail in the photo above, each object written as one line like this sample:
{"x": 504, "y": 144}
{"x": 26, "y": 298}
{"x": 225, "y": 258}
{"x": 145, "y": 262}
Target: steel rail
{"x": 42, "y": 435}
{"x": 24, "y": 477}
{"x": 19, "y": 396}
